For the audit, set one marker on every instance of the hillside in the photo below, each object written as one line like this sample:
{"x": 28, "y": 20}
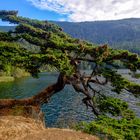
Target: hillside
{"x": 104, "y": 31}
{"x": 124, "y": 34}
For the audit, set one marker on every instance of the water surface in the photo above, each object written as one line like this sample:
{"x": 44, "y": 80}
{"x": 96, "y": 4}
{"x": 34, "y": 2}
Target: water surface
{"x": 65, "y": 107}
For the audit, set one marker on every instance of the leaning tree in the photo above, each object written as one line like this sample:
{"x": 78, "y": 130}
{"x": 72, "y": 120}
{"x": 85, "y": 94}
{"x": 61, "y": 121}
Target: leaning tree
{"x": 66, "y": 54}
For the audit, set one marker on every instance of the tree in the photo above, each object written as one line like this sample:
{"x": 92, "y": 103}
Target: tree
{"x": 65, "y": 53}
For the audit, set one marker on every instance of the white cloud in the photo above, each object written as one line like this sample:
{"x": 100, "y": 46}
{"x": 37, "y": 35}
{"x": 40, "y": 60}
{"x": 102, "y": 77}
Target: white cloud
{"x": 62, "y": 19}
{"x": 91, "y": 10}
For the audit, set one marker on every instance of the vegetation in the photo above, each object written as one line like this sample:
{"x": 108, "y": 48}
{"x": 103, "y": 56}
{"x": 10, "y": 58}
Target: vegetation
{"x": 6, "y": 78}
{"x": 136, "y": 75}
{"x": 64, "y": 53}
{"x": 110, "y": 128}
{"x": 119, "y": 34}
{"x": 9, "y": 72}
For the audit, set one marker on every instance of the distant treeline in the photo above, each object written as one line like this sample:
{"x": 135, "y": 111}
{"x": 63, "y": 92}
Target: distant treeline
{"x": 122, "y": 34}
{"x": 119, "y": 34}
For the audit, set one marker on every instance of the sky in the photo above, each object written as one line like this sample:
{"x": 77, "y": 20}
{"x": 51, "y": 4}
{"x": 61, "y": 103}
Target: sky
{"x": 74, "y": 10}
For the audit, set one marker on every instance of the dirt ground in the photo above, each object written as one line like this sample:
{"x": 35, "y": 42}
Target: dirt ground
{"x": 21, "y": 128}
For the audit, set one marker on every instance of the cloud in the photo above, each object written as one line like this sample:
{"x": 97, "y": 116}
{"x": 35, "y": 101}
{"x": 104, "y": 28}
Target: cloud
{"x": 91, "y": 10}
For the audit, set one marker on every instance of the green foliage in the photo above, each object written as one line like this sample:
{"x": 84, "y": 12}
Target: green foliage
{"x": 122, "y": 34}
{"x": 4, "y": 13}
{"x": 11, "y": 71}
{"x": 124, "y": 126}
{"x": 136, "y": 75}
{"x": 111, "y": 105}
{"x": 7, "y": 68}
{"x": 119, "y": 82}
{"x": 110, "y": 128}
{"x": 57, "y": 49}
{"x": 7, "y": 37}
{"x": 6, "y": 78}
{"x": 64, "y": 53}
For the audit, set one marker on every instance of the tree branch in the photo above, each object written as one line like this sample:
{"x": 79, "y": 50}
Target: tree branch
{"x": 38, "y": 99}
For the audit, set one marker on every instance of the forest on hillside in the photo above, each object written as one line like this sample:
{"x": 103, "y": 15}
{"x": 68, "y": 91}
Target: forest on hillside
{"x": 121, "y": 34}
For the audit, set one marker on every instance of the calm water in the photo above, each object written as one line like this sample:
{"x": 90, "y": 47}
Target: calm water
{"x": 65, "y": 107}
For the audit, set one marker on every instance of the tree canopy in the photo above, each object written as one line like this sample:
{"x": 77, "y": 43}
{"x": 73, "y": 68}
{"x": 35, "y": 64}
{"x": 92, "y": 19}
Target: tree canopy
{"x": 65, "y": 53}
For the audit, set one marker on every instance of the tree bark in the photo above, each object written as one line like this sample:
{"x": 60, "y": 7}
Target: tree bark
{"x": 38, "y": 99}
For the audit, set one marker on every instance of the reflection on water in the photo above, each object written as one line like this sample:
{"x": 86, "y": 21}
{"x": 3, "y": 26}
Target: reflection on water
{"x": 65, "y": 107}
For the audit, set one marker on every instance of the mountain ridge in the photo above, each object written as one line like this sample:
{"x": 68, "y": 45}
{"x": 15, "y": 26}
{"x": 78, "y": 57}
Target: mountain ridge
{"x": 122, "y": 34}
{"x": 101, "y": 32}
{"x": 119, "y": 34}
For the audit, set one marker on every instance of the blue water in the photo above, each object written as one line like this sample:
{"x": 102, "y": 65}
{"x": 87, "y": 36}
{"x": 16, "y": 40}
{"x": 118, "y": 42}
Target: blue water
{"x": 64, "y": 108}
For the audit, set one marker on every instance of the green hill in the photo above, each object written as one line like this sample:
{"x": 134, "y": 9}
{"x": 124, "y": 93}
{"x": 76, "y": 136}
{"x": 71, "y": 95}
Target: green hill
{"x": 104, "y": 31}
{"x": 124, "y": 34}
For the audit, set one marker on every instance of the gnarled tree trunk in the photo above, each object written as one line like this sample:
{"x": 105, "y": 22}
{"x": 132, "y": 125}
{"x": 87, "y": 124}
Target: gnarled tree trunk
{"x": 38, "y": 99}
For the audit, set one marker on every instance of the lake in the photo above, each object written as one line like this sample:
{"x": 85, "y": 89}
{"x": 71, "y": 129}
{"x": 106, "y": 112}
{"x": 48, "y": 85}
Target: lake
{"x": 64, "y": 108}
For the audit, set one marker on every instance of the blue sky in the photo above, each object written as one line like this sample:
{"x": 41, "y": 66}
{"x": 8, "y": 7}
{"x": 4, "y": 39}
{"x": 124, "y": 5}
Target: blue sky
{"x": 26, "y": 9}
{"x": 74, "y": 10}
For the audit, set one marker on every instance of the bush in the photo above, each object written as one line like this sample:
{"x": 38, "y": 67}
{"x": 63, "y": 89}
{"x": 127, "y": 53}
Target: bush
{"x": 15, "y": 72}
{"x": 114, "y": 129}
